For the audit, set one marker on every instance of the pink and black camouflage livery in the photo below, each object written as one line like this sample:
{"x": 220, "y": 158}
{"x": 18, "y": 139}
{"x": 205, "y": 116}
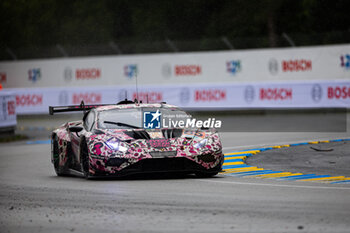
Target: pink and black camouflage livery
{"x": 89, "y": 148}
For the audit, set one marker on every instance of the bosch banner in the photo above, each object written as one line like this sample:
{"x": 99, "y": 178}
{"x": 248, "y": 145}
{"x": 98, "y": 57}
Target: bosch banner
{"x": 316, "y": 94}
{"x": 317, "y": 63}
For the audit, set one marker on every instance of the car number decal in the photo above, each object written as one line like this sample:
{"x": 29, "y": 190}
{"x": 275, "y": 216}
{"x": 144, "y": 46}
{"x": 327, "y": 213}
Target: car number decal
{"x": 158, "y": 143}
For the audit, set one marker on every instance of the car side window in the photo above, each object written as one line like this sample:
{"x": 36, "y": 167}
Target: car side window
{"x": 89, "y": 120}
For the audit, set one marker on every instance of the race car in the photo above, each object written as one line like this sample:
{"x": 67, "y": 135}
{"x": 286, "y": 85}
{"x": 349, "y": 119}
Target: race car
{"x": 129, "y": 138}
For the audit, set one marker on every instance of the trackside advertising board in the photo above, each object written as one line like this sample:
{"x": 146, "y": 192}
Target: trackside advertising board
{"x": 7, "y": 109}
{"x": 320, "y": 94}
{"x": 305, "y": 77}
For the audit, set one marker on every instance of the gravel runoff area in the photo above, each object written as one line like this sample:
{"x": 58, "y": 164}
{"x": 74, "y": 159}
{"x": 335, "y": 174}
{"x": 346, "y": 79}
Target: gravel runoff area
{"x": 323, "y": 159}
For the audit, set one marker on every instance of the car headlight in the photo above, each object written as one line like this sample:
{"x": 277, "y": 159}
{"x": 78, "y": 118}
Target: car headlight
{"x": 115, "y": 145}
{"x": 201, "y": 144}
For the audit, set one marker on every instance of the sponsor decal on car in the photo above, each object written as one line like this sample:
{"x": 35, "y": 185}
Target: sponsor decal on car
{"x": 159, "y": 143}
{"x": 97, "y": 148}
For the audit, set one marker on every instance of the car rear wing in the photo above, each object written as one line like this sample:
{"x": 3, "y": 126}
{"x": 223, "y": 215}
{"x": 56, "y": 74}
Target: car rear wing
{"x": 83, "y": 107}
{"x": 73, "y": 108}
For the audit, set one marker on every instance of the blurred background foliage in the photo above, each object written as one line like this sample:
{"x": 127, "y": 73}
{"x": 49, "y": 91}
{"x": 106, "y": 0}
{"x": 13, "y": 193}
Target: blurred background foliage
{"x": 52, "y": 28}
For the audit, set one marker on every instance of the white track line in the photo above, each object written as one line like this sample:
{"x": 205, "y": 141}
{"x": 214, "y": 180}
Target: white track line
{"x": 275, "y": 185}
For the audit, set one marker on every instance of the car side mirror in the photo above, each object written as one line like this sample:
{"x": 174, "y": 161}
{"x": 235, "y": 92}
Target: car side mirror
{"x": 75, "y": 129}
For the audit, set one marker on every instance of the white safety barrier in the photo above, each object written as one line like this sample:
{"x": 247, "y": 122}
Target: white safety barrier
{"x": 7, "y": 109}
{"x": 312, "y": 94}
{"x": 224, "y": 67}
{"x": 305, "y": 77}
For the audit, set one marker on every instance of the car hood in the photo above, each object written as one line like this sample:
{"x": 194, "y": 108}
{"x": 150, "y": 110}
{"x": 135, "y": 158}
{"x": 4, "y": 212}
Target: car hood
{"x": 136, "y": 134}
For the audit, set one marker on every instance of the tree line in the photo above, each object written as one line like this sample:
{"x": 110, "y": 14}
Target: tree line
{"x": 26, "y": 23}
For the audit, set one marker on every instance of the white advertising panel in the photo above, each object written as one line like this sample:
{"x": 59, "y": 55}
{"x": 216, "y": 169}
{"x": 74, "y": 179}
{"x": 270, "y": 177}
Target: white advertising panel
{"x": 242, "y": 66}
{"x": 305, "y": 77}
{"x": 7, "y": 109}
{"x": 313, "y": 94}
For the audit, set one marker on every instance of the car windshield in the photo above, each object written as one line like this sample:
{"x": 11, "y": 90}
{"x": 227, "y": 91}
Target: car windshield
{"x": 132, "y": 118}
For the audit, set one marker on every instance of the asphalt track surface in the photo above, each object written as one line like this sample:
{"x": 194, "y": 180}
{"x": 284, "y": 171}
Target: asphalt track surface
{"x": 34, "y": 199}
{"x": 330, "y": 158}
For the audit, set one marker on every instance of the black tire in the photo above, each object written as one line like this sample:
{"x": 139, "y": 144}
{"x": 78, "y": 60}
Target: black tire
{"x": 60, "y": 170}
{"x": 205, "y": 174}
{"x": 84, "y": 158}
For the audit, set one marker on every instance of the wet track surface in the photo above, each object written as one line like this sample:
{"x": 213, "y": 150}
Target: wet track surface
{"x": 34, "y": 199}
{"x": 331, "y": 158}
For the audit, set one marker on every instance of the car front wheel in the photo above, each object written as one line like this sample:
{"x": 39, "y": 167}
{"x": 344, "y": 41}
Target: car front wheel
{"x": 60, "y": 170}
{"x": 85, "y": 161}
